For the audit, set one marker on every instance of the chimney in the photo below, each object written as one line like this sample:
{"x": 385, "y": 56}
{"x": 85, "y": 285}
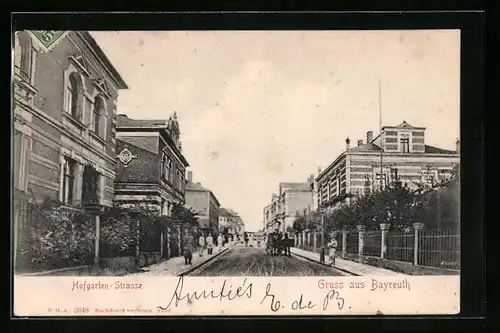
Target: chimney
{"x": 347, "y": 143}
{"x": 360, "y": 143}
{"x": 369, "y": 137}
{"x": 457, "y": 145}
{"x": 190, "y": 176}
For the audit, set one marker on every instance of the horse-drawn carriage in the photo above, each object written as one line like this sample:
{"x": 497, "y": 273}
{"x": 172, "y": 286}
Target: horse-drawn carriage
{"x": 276, "y": 245}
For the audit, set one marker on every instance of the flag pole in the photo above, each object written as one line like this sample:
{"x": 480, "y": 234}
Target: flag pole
{"x": 381, "y": 138}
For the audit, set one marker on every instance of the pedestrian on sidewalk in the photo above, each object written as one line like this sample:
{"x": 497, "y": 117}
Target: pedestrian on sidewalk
{"x": 332, "y": 246}
{"x": 201, "y": 244}
{"x": 220, "y": 241}
{"x": 210, "y": 244}
{"x": 188, "y": 248}
{"x": 287, "y": 245}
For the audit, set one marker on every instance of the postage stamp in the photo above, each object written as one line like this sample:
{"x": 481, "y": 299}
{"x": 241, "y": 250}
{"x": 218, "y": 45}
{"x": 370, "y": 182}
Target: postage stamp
{"x": 236, "y": 173}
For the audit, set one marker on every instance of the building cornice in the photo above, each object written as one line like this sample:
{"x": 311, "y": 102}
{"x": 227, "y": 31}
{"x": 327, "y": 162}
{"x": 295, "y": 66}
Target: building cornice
{"x": 101, "y": 57}
{"x": 331, "y": 166}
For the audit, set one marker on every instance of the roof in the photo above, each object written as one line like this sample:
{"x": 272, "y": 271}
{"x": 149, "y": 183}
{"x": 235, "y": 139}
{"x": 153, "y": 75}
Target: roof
{"x": 227, "y": 212}
{"x": 366, "y": 147}
{"x": 124, "y": 124}
{"x": 191, "y": 186}
{"x": 195, "y": 186}
{"x": 296, "y": 186}
{"x": 122, "y": 120}
{"x": 223, "y": 212}
{"x": 436, "y": 150}
{"x": 404, "y": 125}
{"x": 102, "y": 56}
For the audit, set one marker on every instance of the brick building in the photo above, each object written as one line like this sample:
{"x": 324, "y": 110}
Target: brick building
{"x": 64, "y": 121}
{"x": 204, "y": 202}
{"x": 150, "y": 167}
{"x": 404, "y": 155}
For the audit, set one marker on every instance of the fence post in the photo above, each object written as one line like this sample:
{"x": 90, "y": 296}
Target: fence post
{"x": 167, "y": 241}
{"x": 162, "y": 241}
{"x": 384, "y": 229}
{"x": 178, "y": 236}
{"x": 314, "y": 241}
{"x": 303, "y": 238}
{"x": 344, "y": 243}
{"x": 361, "y": 236}
{"x": 417, "y": 227}
{"x": 97, "y": 238}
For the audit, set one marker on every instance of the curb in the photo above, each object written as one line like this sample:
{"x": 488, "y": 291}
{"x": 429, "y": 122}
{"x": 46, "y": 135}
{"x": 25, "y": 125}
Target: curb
{"x": 196, "y": 266}
{"x": 326, "y": 265}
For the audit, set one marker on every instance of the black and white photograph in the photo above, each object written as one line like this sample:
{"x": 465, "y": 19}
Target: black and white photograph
{"x": 236, "y": 153}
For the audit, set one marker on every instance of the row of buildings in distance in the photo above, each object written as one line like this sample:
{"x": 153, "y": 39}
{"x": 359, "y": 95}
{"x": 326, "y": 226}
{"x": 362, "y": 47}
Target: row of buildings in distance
{"x": 71, "y": 145}
{"x": 397, "y": 152}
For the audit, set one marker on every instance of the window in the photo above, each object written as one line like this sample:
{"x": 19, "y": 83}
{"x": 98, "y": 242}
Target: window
{"x": 97, "y": 113}
{"x": 68, "y": 181}
{"x": 170, "y": 174}
{"x": 27, "y": 55}
{"x": 167, "y": 165}
{"x": 90, "y": 186}
{"x": 72, "y": 94}
{"x": 21, "y": 152}
{"x": 405, "y": 145}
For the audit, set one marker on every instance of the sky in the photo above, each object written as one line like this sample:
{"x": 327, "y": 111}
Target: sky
{"x": 257, "y": 108}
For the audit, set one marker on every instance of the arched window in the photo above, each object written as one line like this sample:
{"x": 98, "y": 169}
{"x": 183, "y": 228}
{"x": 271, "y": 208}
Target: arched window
{"x": 98, "y": 113}
{"x": 73, "y": 91}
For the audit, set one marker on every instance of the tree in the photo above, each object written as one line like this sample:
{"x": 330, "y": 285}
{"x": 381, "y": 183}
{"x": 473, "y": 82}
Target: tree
{"x": 184, "y": 215}
{"x": 299, "y": 224}
{"x": 55, "y": 237}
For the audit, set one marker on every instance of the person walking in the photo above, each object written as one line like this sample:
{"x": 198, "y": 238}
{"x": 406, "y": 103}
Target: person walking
{"x": 332, "y": 246}
{"x": 188, "y": 248}
{"x": 201, "y": 244}
{"x": 220, "y": 241}
{"x": 287, "y": 245}
{"x": 210, "y": 244}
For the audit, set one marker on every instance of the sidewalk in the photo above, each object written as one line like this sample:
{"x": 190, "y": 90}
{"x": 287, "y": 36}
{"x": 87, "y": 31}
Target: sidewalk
{"x": 175, "y": 266}
{"x": 348, "y": 265}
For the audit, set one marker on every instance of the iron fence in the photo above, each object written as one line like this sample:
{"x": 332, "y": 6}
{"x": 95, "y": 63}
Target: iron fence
{"x": 400, "y": 245}
{"x": 439, "y": 248}
{"x": 352, "y": 243}
{"x": 372, "y": 243}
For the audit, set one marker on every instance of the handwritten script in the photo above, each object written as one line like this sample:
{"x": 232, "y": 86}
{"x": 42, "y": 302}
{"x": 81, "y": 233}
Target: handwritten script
{"x": 220, "y": 294}
{"x": 228, "y": 292}
{"x": 301, "y": 304}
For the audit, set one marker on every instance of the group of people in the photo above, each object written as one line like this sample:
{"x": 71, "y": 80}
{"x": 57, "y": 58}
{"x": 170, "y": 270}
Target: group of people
{"x": 273, "y": 241}
{"x": 203, "y": 243}
{"x": 276, "y": 236}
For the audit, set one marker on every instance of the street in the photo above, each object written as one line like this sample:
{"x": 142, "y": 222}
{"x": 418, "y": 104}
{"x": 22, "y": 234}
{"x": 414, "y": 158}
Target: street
{"x": 250, "y": 261}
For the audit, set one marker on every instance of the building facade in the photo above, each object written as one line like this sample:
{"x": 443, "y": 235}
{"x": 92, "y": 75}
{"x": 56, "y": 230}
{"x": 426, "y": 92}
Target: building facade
{"x": 150, "y": 165}
{"x": 292, "y": 199}
{"x": 230, "y": 220}
{"x": 270, "y": 214}
{"x": 399, "y": 152}
{"x": 204, "y": 202}
{"x": 64, "y": 111}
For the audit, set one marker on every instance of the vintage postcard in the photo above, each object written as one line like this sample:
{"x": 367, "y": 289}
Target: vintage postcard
{"x": 208, "y": 173}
